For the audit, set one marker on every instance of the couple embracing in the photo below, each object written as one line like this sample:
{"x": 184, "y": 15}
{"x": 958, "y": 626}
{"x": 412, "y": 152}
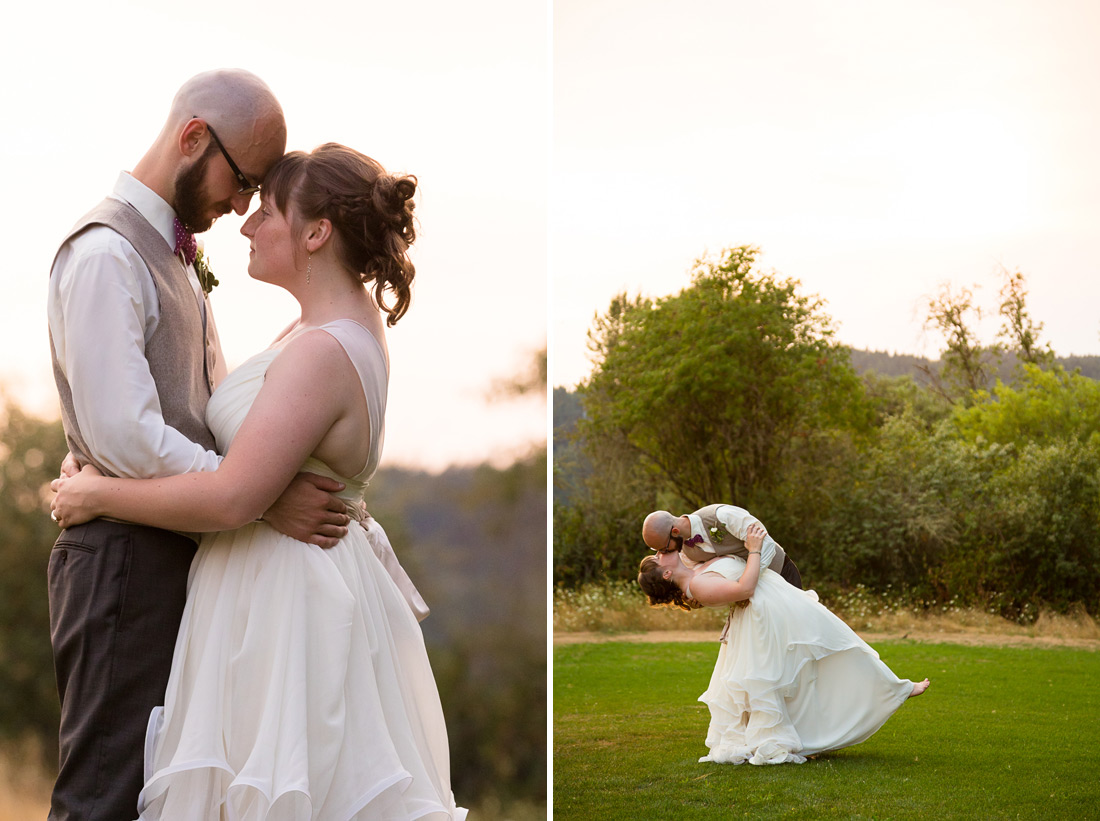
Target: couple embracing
{"x": 233, "y": 636}
{"x": 791, "y": 680}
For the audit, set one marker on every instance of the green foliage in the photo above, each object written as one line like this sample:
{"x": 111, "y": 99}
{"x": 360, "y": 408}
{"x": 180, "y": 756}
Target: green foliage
{"x": 886, "y": 521}
{"x": 598, "y": 512}
{"x": 1041, "y": 406}
{"x": 711, "y": 389}
{"x": 31, "y": 451}
{"x": 733, "y": 391}
{"x": 628, "y": 732}
{"x": 986, "y": 523}
{"x": 1039, "y": 537}
{"x": 901, "y": 394}
{"x": 721, "y": 391}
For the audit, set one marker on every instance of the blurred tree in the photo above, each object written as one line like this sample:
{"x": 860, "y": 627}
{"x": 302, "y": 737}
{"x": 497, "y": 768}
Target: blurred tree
{"x": 532, "y": 381}
{"x": 473, "y": 538}
{"x": 31, "y": 451}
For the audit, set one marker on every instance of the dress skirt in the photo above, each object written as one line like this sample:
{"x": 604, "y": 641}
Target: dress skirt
{"x": 793, "y": 680}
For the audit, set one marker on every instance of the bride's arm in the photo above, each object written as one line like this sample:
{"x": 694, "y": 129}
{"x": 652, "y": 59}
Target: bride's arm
{"x": 711, "y": 589}
{"x": 306, "y": 390}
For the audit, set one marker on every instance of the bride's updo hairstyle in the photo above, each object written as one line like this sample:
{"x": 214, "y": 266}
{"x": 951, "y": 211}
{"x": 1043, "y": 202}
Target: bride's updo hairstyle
{"x": 659, "y": 591}
{"x": 371, "y": 213}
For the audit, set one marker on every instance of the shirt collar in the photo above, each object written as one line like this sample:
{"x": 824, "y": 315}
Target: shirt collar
{"x": 148, "y": 203}
{"x": 697, "y": 528}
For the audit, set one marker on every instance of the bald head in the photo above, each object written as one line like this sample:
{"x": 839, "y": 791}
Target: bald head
{"x": 238, "y": 104}
{"x": 656, "y": 527}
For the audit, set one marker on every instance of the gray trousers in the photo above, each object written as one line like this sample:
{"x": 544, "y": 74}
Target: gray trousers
{"x": 117, "y": 593}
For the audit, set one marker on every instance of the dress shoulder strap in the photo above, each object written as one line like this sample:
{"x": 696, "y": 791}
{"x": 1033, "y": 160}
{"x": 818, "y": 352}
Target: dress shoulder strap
{"x": 369, "y": 358}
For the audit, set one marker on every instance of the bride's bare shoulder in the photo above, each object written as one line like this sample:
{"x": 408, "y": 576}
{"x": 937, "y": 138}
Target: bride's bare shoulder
{"x": 312, "y": 356}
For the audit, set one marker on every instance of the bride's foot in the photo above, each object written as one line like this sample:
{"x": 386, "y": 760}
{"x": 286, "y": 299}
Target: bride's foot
{"x": 919, "y": 688}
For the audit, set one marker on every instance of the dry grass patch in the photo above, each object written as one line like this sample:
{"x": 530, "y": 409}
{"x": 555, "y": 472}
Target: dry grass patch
{"x": 619, "y": 607}
{"x": 615, "y": 608}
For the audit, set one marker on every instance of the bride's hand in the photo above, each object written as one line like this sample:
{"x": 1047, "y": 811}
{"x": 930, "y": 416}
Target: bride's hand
{"x": 754, "y": 538}
{"x": 73, "y": 503}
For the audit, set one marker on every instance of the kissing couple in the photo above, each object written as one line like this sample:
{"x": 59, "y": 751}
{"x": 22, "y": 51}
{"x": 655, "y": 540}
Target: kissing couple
{"x": 232, "y": 634}
{"x": 791, "y": 679}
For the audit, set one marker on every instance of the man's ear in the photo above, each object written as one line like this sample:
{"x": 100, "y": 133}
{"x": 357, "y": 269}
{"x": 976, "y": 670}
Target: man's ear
{"x": 191, "y": 137}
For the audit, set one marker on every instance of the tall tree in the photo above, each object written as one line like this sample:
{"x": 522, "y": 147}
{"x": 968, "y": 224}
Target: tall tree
{"x": 1020, "y": 332}
{"x": 967, "y": 364}
{"x": 712, "y": 390}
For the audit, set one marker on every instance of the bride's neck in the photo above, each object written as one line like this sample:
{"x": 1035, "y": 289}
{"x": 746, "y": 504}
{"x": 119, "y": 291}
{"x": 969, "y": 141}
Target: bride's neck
{"x": 331, "y": 295}
{"x": 682, "y": 576}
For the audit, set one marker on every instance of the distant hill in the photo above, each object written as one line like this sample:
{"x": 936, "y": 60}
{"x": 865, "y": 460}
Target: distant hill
{"x": 567, "y": 410}
{"x": 900, "y": 364}
{"x": 571, "y": 465}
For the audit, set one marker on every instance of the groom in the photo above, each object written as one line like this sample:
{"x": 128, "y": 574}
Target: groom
{"x": 135, "y": 357}
{"x": 715, "y": 530}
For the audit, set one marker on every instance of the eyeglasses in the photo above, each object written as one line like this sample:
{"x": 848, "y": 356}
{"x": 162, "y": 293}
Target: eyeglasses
{"x": 247, "y": 188}
{"x": 669, "y": 542}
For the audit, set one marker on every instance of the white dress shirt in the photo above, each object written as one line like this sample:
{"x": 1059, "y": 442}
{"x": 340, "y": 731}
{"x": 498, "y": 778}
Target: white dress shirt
{"x": 100, "y": 320}
{"x": 737, "y": 521}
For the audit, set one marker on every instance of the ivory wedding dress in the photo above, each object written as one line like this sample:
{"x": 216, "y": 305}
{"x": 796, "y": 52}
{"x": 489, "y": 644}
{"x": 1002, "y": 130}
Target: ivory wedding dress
{"x": 300, "y": 687}
{"x": 792, "y": 679}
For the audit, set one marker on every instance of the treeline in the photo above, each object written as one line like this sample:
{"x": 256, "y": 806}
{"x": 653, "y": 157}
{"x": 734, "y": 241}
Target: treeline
{"x": 922, "y": 369}
{"x": 473, "y": 539}
{"x": 975, "y": 478}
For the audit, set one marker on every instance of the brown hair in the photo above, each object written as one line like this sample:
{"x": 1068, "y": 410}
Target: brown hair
{"x": 371, "y": 213}
{"x": 659, "y": 591}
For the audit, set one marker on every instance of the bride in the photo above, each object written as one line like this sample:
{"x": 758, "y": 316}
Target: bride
{"x": 300, "y": 686}
{"x": 791, "y": 680}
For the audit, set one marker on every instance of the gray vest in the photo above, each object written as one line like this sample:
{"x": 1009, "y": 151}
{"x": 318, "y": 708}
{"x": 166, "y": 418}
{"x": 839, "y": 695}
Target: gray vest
{"x": 180, "y": 352}
{"x": 730, "y": 544}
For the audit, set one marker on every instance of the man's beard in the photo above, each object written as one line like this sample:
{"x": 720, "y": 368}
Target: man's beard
{"x": 190, "y": 202}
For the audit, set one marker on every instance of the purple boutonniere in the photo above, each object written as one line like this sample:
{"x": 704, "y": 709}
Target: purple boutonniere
{"x": 694, "y": 540}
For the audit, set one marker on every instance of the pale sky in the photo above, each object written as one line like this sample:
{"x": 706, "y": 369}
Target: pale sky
{"x": 872, "y": 148}
{"x": 455, "y": 93}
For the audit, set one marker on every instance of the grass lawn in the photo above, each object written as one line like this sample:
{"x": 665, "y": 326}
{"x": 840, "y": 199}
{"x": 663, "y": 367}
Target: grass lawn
{"x": 1002, "y": 733}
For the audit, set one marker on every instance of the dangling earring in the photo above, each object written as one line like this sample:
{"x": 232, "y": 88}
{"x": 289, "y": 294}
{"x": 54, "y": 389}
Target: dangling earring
{"x": 309, "y": 267}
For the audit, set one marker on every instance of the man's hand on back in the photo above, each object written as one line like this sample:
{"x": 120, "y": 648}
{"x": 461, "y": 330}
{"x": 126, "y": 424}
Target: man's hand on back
{"x": 309, "y": 511}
